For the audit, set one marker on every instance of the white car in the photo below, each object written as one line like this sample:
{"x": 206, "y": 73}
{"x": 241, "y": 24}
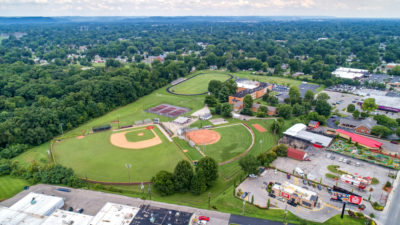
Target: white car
{"x": 341, "y": 159}
{"x": 253, "y": 176}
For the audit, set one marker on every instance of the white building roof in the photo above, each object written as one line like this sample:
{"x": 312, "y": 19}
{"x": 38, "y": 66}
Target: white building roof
{"x": 248, "y": 84}
{"x": 299, "y": 131}
{"x": 115, "y": 214}
{"x": 299, "y": 191}
{"x": 12, "y": 217}
{"x": 39, "y": 204}
{"x": 62, "y": 217}
{"x": 386, "y": 101}
{"x": 349, "y": 73}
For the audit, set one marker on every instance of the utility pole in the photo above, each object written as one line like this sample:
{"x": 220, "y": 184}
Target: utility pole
{"x": 128, "y": 166}
{"x": 244, "y": 203}
{"x": 284, "y": 218}
{"x": 61, "y": 127}
{"x": 119, "y": 122}
{"x": 344, "y": 207}
{"x": 209, "y": 199}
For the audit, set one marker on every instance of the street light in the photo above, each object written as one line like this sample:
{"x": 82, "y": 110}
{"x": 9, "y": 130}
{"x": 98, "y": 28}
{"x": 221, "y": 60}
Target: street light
{"x": 128, "y": 166}
{"x": 61, "y": 126}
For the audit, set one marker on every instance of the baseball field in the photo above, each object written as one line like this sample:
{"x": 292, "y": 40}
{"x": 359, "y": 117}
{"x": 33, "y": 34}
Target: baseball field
{"x": 103, "y": 156}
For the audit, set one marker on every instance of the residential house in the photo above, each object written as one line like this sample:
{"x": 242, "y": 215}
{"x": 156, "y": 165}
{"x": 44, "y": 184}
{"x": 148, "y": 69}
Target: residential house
{"x": 359, "y": 126}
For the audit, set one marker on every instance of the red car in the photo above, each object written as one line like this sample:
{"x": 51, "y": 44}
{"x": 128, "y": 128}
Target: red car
{"x": 204, "y": 218}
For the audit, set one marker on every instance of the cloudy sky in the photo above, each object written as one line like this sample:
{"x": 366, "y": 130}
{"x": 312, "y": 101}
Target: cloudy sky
{"x": 339, "y": 8}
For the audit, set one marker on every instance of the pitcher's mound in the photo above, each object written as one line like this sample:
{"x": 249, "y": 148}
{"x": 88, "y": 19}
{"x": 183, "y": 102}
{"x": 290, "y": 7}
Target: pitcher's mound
{"x": 203, "y": 137}
{"x": 140, "y": 134}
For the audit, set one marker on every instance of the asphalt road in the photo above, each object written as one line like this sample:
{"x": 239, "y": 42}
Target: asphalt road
{"x": 393, "y": 215}
{"x": 243, "y": 220}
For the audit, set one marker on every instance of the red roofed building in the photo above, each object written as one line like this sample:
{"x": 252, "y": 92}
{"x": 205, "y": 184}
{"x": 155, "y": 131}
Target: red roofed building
{"x": 363, "y": 141}
{"x": 296, "y": 154}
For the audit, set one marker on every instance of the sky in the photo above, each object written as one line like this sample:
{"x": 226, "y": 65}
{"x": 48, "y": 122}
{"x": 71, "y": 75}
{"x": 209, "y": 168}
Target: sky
{"x": 338, "y": 8}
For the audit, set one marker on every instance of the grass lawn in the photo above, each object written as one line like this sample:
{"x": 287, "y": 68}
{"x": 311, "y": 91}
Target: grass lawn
{"x": 234, "y": 140}
{"x": 37, "y": 154}
{"x": 198, "y": 84}
{"x": 192, "y": 153}
{"x": 139, "y": 135}
{"x": 96, "y": 158}
{"x": 9, "y": 186}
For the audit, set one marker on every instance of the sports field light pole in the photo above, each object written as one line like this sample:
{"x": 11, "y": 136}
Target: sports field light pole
{"x": 118, "y": 122}
{"x": 61, "y": 127}
{"x": 128, "y": 166}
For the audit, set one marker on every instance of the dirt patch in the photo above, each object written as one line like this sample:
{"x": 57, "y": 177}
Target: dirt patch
{"x": 115, "y": 121}
{"x": 204, "y": 137}
{"x": 185, "y": 150}
{"x": 140, "y": 134}
{"x": 80, "y": 137}
{"x": 120, "y": 140}
{"x": 259, "y": 128}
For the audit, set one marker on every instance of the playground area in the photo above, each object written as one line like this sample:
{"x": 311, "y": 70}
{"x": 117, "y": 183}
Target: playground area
{"x": 344, "y": 147}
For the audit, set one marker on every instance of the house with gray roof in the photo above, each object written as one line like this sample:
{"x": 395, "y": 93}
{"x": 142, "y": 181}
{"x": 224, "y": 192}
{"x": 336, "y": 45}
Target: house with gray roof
{"x": 359, "y": 126}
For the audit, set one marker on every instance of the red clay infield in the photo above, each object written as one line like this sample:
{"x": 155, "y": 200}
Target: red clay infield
{"x": 203, "y": 137}
{"x": 150, "y": 127}
{"x": 259, "y": 128}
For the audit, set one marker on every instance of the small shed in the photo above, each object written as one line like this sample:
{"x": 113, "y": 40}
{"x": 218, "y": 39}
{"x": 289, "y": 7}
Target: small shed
{"x": 313, "y": 124}
{"x": 296, "y": 154}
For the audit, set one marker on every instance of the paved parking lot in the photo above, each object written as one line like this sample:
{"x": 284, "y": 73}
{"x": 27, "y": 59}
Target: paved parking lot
{"x": 93, "y": 201}
{"x": 257, "y": 188}
{"x": 344, "y": 100}
{"x": 317, "y": 167}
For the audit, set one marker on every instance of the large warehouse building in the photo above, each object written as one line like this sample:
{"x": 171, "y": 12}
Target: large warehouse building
{"x": 299, "y": 131}
{"x": 349, "y": 73}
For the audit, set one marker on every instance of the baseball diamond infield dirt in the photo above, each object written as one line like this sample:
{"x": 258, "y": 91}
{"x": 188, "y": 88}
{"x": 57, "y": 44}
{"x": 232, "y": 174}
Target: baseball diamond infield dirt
{"x": 203, "y": 137}
{"x": 120, "y": 140}
{"x": 259, "y": 128}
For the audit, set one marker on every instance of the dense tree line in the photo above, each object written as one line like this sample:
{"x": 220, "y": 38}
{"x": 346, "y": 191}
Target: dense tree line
{"x": 185, "y": 178}
{"x": 36, "y": 101}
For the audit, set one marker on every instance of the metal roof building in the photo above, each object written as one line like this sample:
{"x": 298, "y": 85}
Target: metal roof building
{"x": 299, "y": 130}
{"x": 115, "y": 214}
{"x": 349, "y": 73}
{"x": 62, "y": 217}
{"x": 39, "y": 204}
{"x": 13, "y": 217}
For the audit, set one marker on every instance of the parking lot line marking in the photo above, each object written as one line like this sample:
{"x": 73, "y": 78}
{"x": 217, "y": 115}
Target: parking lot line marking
{"x": 331, "y": 206}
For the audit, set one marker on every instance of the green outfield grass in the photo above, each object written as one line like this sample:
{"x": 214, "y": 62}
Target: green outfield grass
{"x": 234, "y": 140}
{"x": 9, "y": 186}
{"x": 134, "y": 136}
{"x": 198, "y": 84}
{"x": 96, "y": 158}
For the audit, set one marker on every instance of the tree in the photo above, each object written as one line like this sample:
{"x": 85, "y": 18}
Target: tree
{"x": 249, "y": 164}
{"x": 322, "y": 107}
{"x": 369, "y": 105}
{"x": 183, "y": 175}
{"x": 214, "y": 86}
{"x": 398, "y": 132}
{"x": 381, "y": 131}
{"x": 164, "y": 183}
{"x": 298, "y": 109}
{"x": 247, "y": 102}
{"x": 323, "y": 97}
{"x": 294, "y": 95}
{"x": 309, "y": 96}
{"x": 356, "y": 114}
{"x": 226, "y": 109}
{"x": 210, "y": 100}
{"x": 210, "y": 168}
{"x": 285, "y": 111}
{"x": 351, "y": 108}
{"x": 262, "y": 158}
{"x": 198, "y": 182}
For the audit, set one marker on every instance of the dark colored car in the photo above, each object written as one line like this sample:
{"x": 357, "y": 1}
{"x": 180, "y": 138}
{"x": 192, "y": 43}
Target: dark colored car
{"x": 309, "y": 183}
{"x": 319, "y": 187}
{"x": 329, "y": 190}
{"x": 206, "y": 218}
{"x": 271, "y": 195}
{"x": 63, "y": 189}
{"x": 70, "y": 209}
{"x": 305, "y": 182}
{"x": 292, "y": 203}
{"x": 80, "y": 210}
{"x": 394, "y": 142}
{"x": 288, "y": 176}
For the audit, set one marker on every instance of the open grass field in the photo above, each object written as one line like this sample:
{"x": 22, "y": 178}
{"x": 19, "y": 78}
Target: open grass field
{"x": 139, "y": 135}
{"x": 10, "y": 186}
{"x": 96, "y": 158}
{"x": 199, "y": 83}
{"x": 234, "y": 140}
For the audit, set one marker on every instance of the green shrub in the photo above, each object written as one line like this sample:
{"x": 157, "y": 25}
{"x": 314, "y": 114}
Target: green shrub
{"x": 374, "y": 181}
{"x": 331, "y": 176}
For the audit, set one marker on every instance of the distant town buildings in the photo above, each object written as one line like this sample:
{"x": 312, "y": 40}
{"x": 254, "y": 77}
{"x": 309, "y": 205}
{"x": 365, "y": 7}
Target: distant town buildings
{"x": 350, "y": 73}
